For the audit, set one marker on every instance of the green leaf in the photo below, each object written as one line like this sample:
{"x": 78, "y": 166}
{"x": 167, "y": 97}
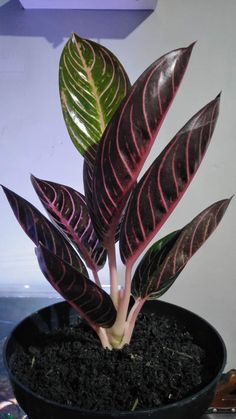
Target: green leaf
{"x": 92, "y": 84}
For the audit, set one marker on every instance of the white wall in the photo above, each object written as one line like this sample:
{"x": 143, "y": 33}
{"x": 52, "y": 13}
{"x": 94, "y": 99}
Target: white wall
{"x": 33, "y": 139}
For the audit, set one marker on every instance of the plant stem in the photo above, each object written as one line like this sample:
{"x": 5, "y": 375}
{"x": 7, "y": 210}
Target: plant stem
{"x": 96, "y": 278}
{"x": 117, "y": 330}
{"x": 104, "y": 338}
{"x": 130, "y": 323}
{"x": 111, "y": 251}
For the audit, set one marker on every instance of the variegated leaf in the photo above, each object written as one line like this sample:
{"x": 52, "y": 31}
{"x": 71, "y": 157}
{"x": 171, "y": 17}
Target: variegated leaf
{"x": 92, "y": 84}
{"x": 68, "y": 210}
{"x": 165, "y": 260}
{"x": 88, "y": 181}
{"x": 128, "y": 138}
{"x": 164, "y": 184}
{"x": 88, "y": 187}
{"x": 92, "y": 303}
{"x": 149, "y": 265}
{"x": 41, "y": 230}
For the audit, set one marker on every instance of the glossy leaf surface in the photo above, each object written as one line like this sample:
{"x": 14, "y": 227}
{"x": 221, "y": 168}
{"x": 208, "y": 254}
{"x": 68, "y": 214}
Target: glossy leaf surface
{"x": 41, "y": 230}
{"x": 128, "y": 138}
{"x": 92, "y": 85}
{"x": 67, "y": 208}
{"x": 88, "y": 187}
{"x": 88, "y": 182}
{"x": 165, "y": 182}
{"x": 94, "y": 304}
{"x": 164, "y": 261}
{"x": 148, "y": 268}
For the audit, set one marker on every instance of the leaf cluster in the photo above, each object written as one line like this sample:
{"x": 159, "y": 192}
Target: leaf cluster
{"x": 113, "y": 125}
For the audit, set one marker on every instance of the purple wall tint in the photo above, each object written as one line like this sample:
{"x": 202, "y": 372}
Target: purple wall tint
{"x": 33, "y": 138}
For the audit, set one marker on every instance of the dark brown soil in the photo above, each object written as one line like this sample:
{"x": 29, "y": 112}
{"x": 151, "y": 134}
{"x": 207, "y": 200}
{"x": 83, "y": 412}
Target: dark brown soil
{"x": 161, "y": 365}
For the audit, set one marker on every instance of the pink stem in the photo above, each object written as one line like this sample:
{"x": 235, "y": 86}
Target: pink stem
{"x": 111, "y": 251}
{"x": 133, "y": 314}
{"x": 119, "y": 327}
{"x": 96, "y": 278}
{"x": 103, "y": 338}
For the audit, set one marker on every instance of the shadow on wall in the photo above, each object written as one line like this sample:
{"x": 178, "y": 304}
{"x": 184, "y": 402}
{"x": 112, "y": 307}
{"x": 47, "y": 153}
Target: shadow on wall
{"x": 55, "y": 25}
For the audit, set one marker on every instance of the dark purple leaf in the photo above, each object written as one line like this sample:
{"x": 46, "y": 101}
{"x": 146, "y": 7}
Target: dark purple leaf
{"x": 88, "y": 179}
{"x": 149, "y": 266}
{"x": 41, "y": 230}
{"x": 67, "y": 208}
{"x": 94, "y": 304}
{"x": 88, "y": 187}
{"x": 129, "y": 136}
{"x": 164, "y": 184}
{"x": 164, "y": 261}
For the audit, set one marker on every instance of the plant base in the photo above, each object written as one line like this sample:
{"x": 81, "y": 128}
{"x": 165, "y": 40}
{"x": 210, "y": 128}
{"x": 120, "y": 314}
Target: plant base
{"x": 127, "y": 401}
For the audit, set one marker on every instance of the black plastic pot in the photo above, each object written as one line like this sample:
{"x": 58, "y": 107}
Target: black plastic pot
{"x": 60, "y": 314}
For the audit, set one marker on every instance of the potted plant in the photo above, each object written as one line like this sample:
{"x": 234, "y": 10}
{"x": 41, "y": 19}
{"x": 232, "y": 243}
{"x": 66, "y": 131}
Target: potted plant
{"x": 114, "y": 125}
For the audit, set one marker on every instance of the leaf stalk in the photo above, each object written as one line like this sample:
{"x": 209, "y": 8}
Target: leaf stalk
{"x": 118, "y": 329}
{"x": 111, "y": 251}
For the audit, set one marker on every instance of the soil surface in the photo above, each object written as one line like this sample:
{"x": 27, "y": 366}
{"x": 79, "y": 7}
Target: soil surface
{"x": 160, "y": 366}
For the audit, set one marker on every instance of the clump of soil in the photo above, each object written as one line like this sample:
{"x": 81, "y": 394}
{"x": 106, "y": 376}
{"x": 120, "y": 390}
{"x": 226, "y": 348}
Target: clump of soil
{"x": 160, "y": 366}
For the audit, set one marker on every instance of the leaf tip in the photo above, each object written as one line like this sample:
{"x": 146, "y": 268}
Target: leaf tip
{"x": 216, "y": 102}
{"x": 190, "y": 47}
{"x": 229, "y": 199}
{"x": 73, "y": 36}
{"x": 5, "y": 190}
{"x": 224, "y": 203}
{"x": 36, "y": 182}
{"x": 213, "y": 106}
{"x": 33, "y": 179}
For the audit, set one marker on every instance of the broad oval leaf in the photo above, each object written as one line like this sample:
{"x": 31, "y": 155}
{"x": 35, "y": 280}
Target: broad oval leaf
{"x": 149, "y": 266}
{"x": 88, "y": 182}
{"x": 91, "y": 301}
{"x": 41, "y": 230}
{"x": 165, "y": 182}
{"x": 164, "y": 261}
{"x": 68, "y": 210}
{"x": 92, "y": 84}
{"x": 129, "y": 137}
{"x": 88, "y": 187}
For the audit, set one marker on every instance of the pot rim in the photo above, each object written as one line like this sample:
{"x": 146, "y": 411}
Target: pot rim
{"x": 160, "y": 408}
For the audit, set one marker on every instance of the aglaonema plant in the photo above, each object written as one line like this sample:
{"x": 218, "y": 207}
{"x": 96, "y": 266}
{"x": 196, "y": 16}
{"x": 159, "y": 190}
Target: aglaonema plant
{"x": 114, "y": 125}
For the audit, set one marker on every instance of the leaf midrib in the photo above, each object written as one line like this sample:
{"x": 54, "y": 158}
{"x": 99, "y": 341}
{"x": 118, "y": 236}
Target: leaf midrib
{"x": 93, "y": 87}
